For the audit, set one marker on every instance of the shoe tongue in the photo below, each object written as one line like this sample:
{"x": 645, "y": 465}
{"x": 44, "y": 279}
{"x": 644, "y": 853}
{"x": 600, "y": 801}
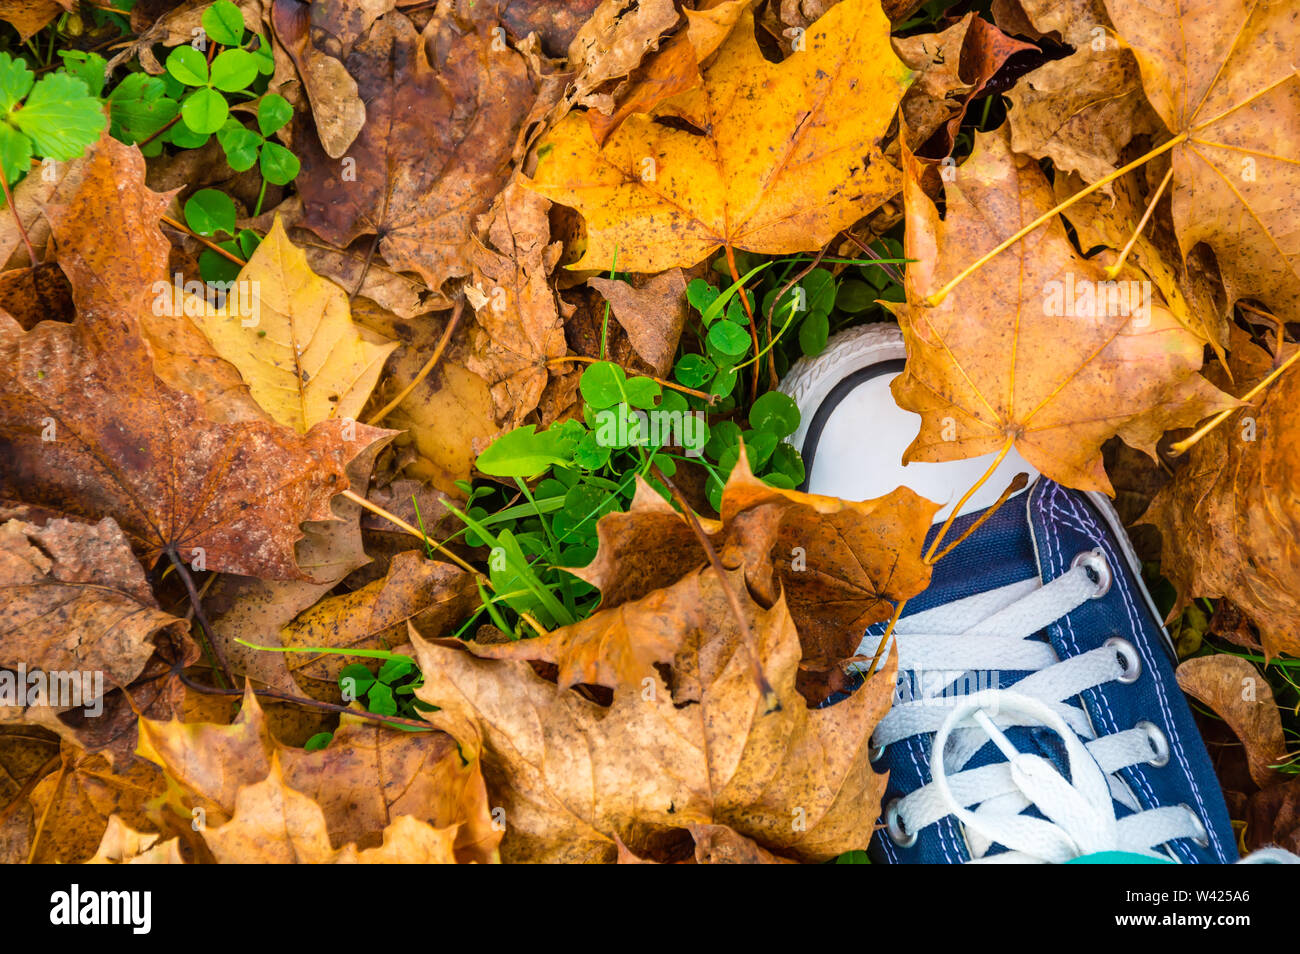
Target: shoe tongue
{"x": 1000, "y": 552}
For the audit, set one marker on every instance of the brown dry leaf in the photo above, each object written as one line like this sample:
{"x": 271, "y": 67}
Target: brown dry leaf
{"x": 435, "y": 596}
{"x": 1229, "y": 520}
{"x": 243, "y": 607}
{"x": 838, "y": 564}
{"x": 127, "y": 444}
{"x": 556, "y": 22}
{"x": 363, "y": 780}
{"x": 31, "y": 295}
{"x": 572, "y": 776}
{"x": 720, "y": 845}
{"x": 73, "y": 599}
{"x": 1235, "y": 690}
{"x": 671, "y": 69}
{"x": 443, "y": 113}
{"x": 953, "y": 67}
{"x": 1013, "y": 355}
{"x": 612, "y": 42}
{"x": 1273, "y": 817}
{"x": 31, "y": 16}
{"x": 337, "y": 108}
{"x": 519, "y": 327}
{"x": 30, "y": 197}
{"x": 1223, "y": 75}
{"x": 652, "y": 311}
{"x": 1082, "y": 110}
{"x": 769, "y": 157}
{"x": 273, "y": 824}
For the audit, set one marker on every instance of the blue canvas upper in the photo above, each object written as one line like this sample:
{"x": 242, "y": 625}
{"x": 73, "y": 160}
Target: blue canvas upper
{"x": 1039, "y": 533}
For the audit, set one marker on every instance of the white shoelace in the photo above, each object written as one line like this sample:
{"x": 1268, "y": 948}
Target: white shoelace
{"x": 993, "y": 631}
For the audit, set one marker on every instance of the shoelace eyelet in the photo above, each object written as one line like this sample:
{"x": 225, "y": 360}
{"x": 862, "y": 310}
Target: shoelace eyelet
{"x": 894, "y": 826}
{"x": 1094, "y": 561}
{"x": 1128, "y": 657}
{"x": 875, "y": 752}
{"x": 1159, "y": 743}
{"x": 1204, "y": 838}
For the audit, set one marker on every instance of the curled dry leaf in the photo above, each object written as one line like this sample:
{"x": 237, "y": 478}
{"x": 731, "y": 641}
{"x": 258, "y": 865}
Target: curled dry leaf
{"x": 671, "y": 69}
{"x": 519, "y": 326}
{"x": 769, "y": 157}
{"x": 1230, "y": 520}
{"x": 73, "y": 599}
{"x": 91, "y": 428}
{"x": 443, "y": 111}
{"x": 1029, "y": 349}
{"x": 1082, "y": 110}
{"x": 1236, "y": 691}
{"x": 1223, "y": 76}
{"x": 953, "y": 67}
{"x": 574, "y": 776}
{"x": 613, "y": 41}
{"x": 290, "y": 334}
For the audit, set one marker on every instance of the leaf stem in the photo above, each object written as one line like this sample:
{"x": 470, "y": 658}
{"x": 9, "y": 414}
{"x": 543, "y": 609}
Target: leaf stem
{"x": 1113, "y": 270}
{"x": 749, "y": 313}
{"x": 583, "y": 359}
{"x": 772, "y": 702}
{"x": 212, "y": 245}
{"x": 429, "y": 365}
{"x": 937, "y": 297}
{"x": 9, "y": 197}
{"x": 1181, "y": 447}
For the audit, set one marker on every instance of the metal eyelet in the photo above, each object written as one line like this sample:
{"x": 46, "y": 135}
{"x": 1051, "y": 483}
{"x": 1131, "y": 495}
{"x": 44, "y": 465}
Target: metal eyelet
{"x": 894, "y": 825}
{"x": 1129, "y": 659}
{"x": 875, "y": 752}
{"x": 1203, "y": 839}
{"x": 1159, "y": 743}
{"x": 1094, "y": 561}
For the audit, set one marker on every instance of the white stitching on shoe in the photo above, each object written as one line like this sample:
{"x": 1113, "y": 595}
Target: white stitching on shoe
{"x": 1131, "y": 609}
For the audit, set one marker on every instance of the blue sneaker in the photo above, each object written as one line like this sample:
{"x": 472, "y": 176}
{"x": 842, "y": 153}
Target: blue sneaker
{"x": 1036, "y": 718}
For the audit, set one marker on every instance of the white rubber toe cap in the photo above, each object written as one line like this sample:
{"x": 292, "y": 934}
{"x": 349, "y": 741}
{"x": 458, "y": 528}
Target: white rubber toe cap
{"x": 852, "y": 435}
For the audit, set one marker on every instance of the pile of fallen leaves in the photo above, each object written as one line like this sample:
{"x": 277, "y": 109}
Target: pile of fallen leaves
{"x": 231, "y": 516}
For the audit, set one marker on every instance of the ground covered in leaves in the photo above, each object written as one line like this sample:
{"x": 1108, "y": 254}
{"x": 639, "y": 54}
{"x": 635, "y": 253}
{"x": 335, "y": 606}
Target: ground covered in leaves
{"x": 392, "y": 461}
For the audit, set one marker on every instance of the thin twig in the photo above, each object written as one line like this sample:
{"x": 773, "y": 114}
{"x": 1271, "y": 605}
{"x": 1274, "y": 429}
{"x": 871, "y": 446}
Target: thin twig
{"x": 301, "y": 701}
{"x": 403, "y": 525}
{"x": 201, "y": 617}
{"x": 749, "y": 312}
{"x": 583, "y": 359}
{"x": 193, "y": 234}
{"x": 9, "y": 197}
{"x": 889, "y": 268}
{"x": 771, "y": 352}
{"x": 771, "y": 701}
{"x": 428, "y": 365}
